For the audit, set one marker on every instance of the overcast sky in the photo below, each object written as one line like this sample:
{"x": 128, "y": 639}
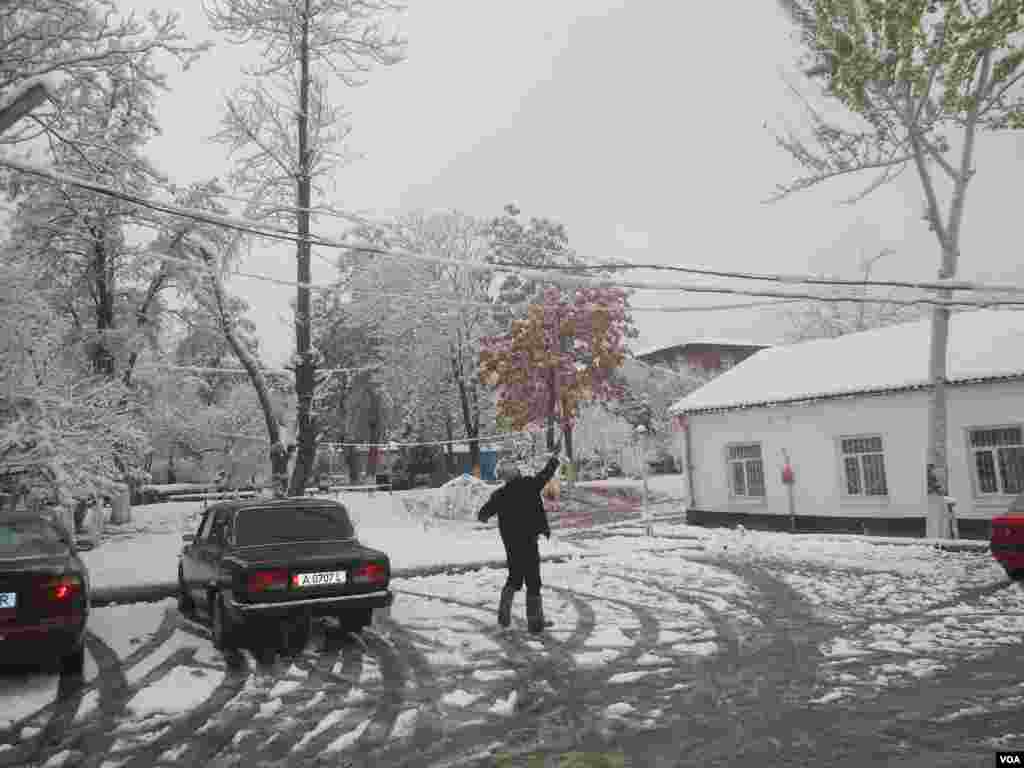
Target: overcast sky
{"x": 645, "y": 127}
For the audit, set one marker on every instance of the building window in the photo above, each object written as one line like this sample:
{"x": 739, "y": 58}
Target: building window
{"x": 746, "y": 470}
{"x": 998, "y": 459}
{"x": 864, "y": 466}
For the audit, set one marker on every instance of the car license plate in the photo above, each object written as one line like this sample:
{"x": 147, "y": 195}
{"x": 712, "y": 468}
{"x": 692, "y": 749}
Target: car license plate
{"x": 8, "y": 600}
{"x": 323, "y": 579}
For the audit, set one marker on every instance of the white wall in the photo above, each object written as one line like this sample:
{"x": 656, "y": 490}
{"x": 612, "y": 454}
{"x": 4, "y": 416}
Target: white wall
{"x": 988, "y": 405}
{"x": 810, "y": 433}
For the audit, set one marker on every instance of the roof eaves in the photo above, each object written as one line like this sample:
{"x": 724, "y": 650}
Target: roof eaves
{"x": 872, "y": 392}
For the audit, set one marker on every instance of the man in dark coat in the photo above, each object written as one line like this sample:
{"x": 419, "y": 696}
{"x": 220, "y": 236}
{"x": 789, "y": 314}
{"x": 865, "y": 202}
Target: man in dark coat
{"x": 521, "y": 520}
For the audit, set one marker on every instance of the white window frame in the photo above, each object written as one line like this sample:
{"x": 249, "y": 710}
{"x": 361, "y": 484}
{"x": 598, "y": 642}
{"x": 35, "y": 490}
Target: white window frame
{"x": 746, "y": 462}
{"x": 993, "y": 451}
{"x": 861, "y": 494}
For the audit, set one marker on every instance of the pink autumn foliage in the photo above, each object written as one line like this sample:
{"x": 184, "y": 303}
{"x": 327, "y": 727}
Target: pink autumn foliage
{"x": 569, "y": 342}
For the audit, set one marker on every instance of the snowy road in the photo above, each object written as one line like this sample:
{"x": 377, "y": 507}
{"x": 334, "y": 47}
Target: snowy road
{"x": 670, "y": 652}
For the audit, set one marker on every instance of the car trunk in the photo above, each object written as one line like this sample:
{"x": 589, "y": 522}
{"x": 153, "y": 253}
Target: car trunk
{"x": 31, "y": 578}
{"x": 328, "y": 569}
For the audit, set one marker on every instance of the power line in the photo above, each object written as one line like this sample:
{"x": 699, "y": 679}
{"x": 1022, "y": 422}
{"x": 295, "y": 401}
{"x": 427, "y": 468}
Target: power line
{"x": 792, "y": 279}
{"x": 552, "y": 275}
{"x": 390, "y": 444}
{"x": 242, "y": 371}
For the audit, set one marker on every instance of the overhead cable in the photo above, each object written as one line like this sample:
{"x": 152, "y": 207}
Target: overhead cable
{"x": 549, "y": 274}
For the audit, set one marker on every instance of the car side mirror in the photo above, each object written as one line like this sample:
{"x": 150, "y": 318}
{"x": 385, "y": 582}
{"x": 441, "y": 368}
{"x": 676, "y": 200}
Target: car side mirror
{"x": 188, "y": 538}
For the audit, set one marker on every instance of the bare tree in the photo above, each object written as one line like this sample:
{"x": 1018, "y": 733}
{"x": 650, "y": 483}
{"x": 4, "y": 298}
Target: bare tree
{"x": 286, "y": 133}
{"x": 910, "y": 75}
{"x": 818, "y": 319}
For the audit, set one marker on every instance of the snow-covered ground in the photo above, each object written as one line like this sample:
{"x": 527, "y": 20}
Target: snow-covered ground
{"x": 630, "y": 620}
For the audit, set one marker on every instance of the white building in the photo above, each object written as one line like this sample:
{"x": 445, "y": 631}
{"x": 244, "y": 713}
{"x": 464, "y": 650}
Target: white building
{"x": 851, "y": 415}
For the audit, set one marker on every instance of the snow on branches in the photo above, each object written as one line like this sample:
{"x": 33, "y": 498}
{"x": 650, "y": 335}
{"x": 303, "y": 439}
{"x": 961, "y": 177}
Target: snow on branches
{"x": 562, "y": 354}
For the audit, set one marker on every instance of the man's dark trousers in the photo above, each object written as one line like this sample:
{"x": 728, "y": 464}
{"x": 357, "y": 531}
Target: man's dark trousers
{"x": 523, "y": 556}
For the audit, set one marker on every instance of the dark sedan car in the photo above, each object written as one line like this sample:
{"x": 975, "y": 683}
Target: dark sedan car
{"x": 260, "y": 566}
{"x": 44, "y": 593}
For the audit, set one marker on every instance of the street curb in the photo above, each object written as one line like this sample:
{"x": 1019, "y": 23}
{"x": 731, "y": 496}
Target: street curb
{"x": 155, "y": 592}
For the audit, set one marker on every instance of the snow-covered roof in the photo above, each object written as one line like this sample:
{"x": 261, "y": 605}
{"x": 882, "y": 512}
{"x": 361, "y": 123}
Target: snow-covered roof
{"x": 703, "y": 341}
{"x": 983, "y": 344}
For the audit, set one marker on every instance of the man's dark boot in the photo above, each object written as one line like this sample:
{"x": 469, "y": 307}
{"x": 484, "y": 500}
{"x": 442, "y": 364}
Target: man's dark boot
{"x": 535, "y": 621}
{"x": 505, "y": 606}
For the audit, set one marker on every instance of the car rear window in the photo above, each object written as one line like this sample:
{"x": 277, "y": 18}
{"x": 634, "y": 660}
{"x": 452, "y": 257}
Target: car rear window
{"x": 272, "y": 525}
{"x": 18, "y": 535}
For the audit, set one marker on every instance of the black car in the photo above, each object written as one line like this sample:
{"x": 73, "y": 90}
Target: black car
{"x": 44, "y": 593}
{"x": 257, "y": 566}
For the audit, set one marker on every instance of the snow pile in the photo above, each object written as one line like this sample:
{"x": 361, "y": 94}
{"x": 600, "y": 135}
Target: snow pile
{"x": 459, "y": 498}
{"x": 983, "y": 343}
{"x": 846, "y": 552}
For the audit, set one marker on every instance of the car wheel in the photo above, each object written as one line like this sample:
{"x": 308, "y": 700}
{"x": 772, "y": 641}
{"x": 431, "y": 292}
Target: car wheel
{"x": 186, "y": 605}
{"x": 74, "y": 662}
{"x": 223, "y": 632}
{"x": 1015, "y": 574}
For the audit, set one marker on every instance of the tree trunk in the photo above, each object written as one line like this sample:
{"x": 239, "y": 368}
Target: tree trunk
{"x": 278, "y": 452}
{"x": 352, "y": 461}
{"x": 567, "y": 435}
{"x": 142, "y": 320}
{"x": 102, "y": 357}
{"x": 472, "y": 428}
{"x": 553, "y": 399}
{"x": 939, "y": 522}
{"x": 305, "y": 378}
{"x": 172, "y": 475}
{"x": 450, "y": 453}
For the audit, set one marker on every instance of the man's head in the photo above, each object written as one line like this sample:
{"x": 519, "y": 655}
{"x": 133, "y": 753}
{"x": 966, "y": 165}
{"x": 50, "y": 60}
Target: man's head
{"x": 507, "y": 471}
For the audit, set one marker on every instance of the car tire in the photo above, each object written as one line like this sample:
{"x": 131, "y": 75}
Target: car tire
{"x": 74, "y": 663}
{"x": 223, "y": 631}
{"x": 1015, "y": 574}
{"x": 186, "y": 605}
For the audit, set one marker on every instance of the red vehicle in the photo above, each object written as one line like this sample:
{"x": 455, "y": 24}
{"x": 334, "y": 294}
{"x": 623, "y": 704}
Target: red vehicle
{"x": 1007, "y": 542}
{"x": 44, "y": 593}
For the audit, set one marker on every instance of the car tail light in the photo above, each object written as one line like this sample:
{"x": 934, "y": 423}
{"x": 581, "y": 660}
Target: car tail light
{"x": 269, "y": 581}
{"x": 370, "y": 573}
{"x": 60, "y": 590}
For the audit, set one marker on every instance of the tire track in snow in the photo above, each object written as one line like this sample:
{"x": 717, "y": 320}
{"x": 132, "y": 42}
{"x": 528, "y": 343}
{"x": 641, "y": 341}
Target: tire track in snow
{"x": 367, "y": 730}
{"x": 551, "y": 709}
{"x": 183, "y": 729}
{"x": 56, "y": 721}
{"x": 275, "y": 735}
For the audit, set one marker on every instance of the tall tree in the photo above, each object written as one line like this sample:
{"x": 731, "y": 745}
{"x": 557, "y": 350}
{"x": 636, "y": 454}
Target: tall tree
{"x": 912, "y": 77}
{"x": 287, "y": 133}
{"x": 447, "y": 312}
{"x": 817, "y": 319}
